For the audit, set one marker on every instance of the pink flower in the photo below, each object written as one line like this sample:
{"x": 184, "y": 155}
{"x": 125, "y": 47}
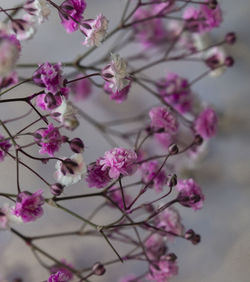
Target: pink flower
{"x": 59, "y": 276}
{"x": 48, "y": 102}
{"x": 72, "y": 14}
{"x": 59, "y": 273}
{"x": 4, "y": 147}
{"x": 165, "y": 139}
{"x": 164, "y": 271}
{"x": 81, "y": 89}
{"x": 203, "y": 19}
{"x": 161, "y": 118}
{"x": 50, "y": 77}
{"x": 29, "y": 206}
{"x": 155, "y": 246}
{"x": 205, "y": 124}
{"x": 49, "y": 139}
{"x": 119, "y": 95}
{"x": 176, "y": 92}
{"x": 3, "y": 219}
{"x": 170, "y": 221}
{"x": 94, "y": 30}
{"x": 149, "y": 171}
{"x": 116, "y": 73}
{"x": 119, "y": 161}
{"x": 96, "y": 177}
{"x": 9, "y": 80}
{"x": 190, "y": 194}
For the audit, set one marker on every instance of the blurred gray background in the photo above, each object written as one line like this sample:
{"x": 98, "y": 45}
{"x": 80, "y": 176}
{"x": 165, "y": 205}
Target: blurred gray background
{"x": 224, "y": 222}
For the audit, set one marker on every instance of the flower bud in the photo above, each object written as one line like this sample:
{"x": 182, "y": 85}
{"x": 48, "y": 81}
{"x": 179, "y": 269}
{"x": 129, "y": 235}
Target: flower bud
{"x": 76, "y": 145}
{"x": 229, "y": 61}
{"x": 98, "y": 269}
{"x": 56, "y": 189}
{"x": 189, "y": 234}
{"x": 173, "y": 181}
{"x": 173, "y": 149}
{"x": 198, "y": 140}
{"x": 171, "y": 257}
{"x": 196, "y": 240}
{"x": 230, "y": 38}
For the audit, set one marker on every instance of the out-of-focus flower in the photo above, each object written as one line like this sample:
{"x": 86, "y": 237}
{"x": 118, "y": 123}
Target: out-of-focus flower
{"x": 49, "y": 139}
{"x": 24, "y": 27}
{"x": 119, "y": 161}
{"x": 155, "y": 246}
{"x": 119, "y": 95}
{"x": 29, "y": 206}
{"x": 94, "y": 30}
{"x": 70, "y": 171}
{"x": 206, "y": 123}
{"x": 60, "y": 272}
{"x": 116, "y": 195}
{"x": 116, "y": 73}
{"x": 215, "y": 59}
{"x": 161, "y": 118}
{"x": 9, "y": 80}
{"x": 129, "y": 278}
{"x": 72, "y": 14}
{"x": 59, "y": 276}
{"x": 190, "y": 194}
{"x": 81, "y": 89}
{"x": 39, "y": 9}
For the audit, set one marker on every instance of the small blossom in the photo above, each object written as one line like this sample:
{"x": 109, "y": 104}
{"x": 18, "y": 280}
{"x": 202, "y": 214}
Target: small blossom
{"x": 119, "y": 95}
{"x": 81, "y": 89}
{"x": 206, "y": 123}
{"x": 162, "y": 118}
{"x": 165, "y": 139}
{"x": 176, "y": 92}
{"x": 215, "y": 59}
{"x": 94, "y": 30}
{"x": 38, "y": 9}
{"x": 49, "y": 101}
{"x": 60, "y": 272}
{"x": 49, "y": 139}
{"x": 49, "y": 76}
{"x": 59, "y": 276}
{"x": 116, "y": 73}
{"x": 96, "y": 177}
{"x": 4, "y": 147}
{"x": 29, "y": 206}
{"x": 155, "y": 246}
{"x": 150, "y": 173}
{"x": 70, "y": 172}
{"x": 164, "y": 271}
{"x": 170, "y": 221}
{"x": 119, "y": 161}
{"x": 9, "y": 80}
{"x": 24, "y": 28}
{"x": 7, "y": 217}
{"x": 66, "y": 115}
{"x": 9, "y": 53}
{"x": 72, "y": 13}
{"x": 190, "y": 194}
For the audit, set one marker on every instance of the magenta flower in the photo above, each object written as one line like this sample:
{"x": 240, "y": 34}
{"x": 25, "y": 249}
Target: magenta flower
{"x": 203, "y": 19}
{"x": 72, "y": 14}
{"x": 206, "y": 123}
{"x": 49, "y": 139}
{"x": 48, "y": 102}
{"x": 170, "y": 221}
{"x": 176, "y": 92}
{"x": 119, "y": 95}
{"x": 149, "y": 173}
{"x": 190, "y": 194}
{"x": 165, "y": 139}
{"x": 81, "y": 89}
{"x": 50, "y": 77}
{"x": 161, "y": 118}
{"x": 29, "y": 206}
{"x": 4, "y": 147}
{"x": 155, "y": 246}
{"x": 94, "y": 30}
{"x": 59, "y": 276}
{"x": 119, "y": 161}
{"x": 164, "y": 271}
{"x": 96, "y": 176}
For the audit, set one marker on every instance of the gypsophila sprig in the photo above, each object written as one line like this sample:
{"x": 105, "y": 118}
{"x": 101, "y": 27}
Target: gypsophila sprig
{"x": 130, "y": 168}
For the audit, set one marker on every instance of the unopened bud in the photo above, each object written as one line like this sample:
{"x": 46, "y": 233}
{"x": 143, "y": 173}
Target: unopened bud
{"x": 56, "y": 189}
{"x": 173, "y": 149}
{"x": 230, "y": 38}
{"x": 76, "y": 145}
{"x": 198, "y": 140}
{"x": 171, "y": 257}
{"x": 173, "y": 181}
{"x": 98, "y": 269}
{"x": 189, "y": 234}
{"x": 229, "y": 61}
{"x": 196, "y": 240}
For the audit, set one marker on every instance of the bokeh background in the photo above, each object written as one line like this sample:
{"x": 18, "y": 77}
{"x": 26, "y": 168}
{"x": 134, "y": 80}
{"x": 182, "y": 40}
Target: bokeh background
{"x": 224, "y": 174}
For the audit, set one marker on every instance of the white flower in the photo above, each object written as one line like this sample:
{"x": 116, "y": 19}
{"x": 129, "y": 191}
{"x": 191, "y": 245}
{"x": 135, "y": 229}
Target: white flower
{"x": 116, "y": 73}
{"x": 24, "y": 28}
{"x": 38, "y": 9}
{"x": 71, "y": 172}
{"x": 215, "y": 59}
{"x": 65, "y": 114}
{"x": 7, "y": 217}
{"x": 94, "y": 30}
